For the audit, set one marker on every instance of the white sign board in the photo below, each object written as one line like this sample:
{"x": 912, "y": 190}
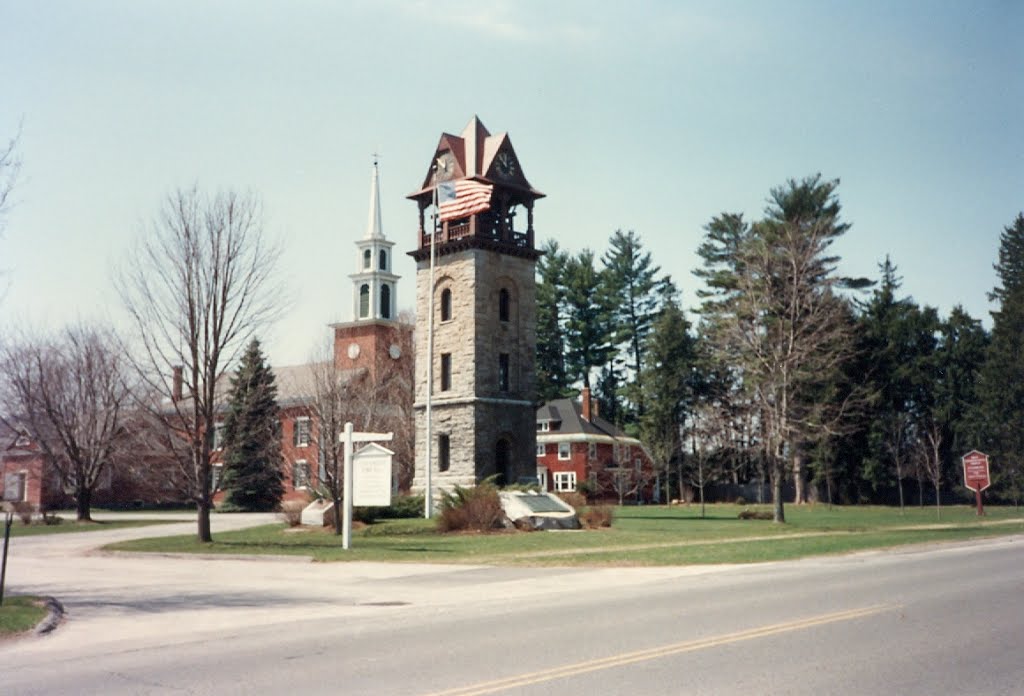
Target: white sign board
{"x": 371, "y": 476}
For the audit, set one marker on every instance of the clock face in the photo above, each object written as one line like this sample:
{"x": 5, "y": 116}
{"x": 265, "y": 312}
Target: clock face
{"x": 353, "y": 351}
{"x": 394, "y": 351}
{"x": 445, "y": 166}
{"x": 505, "y": 165}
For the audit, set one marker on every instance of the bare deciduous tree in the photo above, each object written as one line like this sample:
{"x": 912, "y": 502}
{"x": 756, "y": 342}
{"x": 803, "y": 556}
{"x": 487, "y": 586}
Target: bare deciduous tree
{"x": 69, "y": 393}
{"x": 10, "y": 166}
{"x": 198, "y": 286}
{"x": 377, "y": 400}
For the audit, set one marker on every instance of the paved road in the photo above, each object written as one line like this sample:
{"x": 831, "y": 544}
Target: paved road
{"x": 942, "y": 620}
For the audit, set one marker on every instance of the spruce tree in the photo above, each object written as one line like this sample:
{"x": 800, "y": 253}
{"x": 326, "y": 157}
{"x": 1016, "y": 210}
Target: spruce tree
{"x": 552, "y": 382}
{"x": 253, "y": 480}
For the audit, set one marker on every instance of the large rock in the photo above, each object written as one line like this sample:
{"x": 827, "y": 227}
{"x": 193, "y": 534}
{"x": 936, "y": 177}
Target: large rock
{"x": 538, "y": 510}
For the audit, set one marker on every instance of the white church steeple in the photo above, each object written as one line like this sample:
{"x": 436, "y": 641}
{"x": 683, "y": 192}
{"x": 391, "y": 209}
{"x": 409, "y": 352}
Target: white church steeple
{"x": 374, "y": 284}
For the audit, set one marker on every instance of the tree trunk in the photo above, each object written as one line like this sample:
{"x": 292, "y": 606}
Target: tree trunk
{"x": 799, "y": 480}
{"x": 337, "y": 515}
{"x": 83, "y": 504}
{"x": 778, "y": 471}
{"x": 205, "y": 536}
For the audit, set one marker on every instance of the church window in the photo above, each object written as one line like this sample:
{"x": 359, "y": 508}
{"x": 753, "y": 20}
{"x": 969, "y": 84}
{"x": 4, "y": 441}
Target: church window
{"x": 503, "y": 305}
{"x": 446, "y": 304}
{"x": 364, "y": 301}
{"x": 367, "y": 258}
{"x": 444, "y": 453}
{"x": 385, "y": 301}
{"x": 383, "y": 260}
{"x": 446, "y": 371}
{"x": 503, "y": 372}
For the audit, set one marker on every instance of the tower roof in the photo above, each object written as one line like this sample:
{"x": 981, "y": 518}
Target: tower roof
{"x": 374, "y": 226}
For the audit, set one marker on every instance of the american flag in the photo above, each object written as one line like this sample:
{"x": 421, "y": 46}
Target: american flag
{"x": 459, "y": 199}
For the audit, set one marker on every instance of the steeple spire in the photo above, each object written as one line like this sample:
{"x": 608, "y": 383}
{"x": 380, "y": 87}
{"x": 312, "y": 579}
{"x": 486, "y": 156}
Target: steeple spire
{"x": 374, "y": 227}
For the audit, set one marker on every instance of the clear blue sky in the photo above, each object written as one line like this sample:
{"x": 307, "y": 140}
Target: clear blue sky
{"x": 652, "y": 116}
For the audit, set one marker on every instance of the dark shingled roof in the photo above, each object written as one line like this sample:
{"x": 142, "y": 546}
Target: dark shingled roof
{"x": 570, "y": 414}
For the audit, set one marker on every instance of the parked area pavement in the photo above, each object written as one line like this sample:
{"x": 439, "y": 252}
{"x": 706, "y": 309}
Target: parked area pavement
{"x": 120, "y": 601}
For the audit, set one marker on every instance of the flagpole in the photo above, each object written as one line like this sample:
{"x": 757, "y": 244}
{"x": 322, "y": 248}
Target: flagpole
{"x": 428, "y": 501}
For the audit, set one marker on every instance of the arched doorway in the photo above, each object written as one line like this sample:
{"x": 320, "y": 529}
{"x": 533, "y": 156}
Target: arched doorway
{"x": 503, "y": 461}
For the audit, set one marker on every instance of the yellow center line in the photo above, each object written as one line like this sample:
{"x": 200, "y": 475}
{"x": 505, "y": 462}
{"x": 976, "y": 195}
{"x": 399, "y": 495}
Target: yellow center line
{"x": 654, "y": 653}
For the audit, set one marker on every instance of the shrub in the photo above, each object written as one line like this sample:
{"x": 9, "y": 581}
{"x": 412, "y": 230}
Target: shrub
{"x": 740, "y": 500}
{"x": 597, "y": 516}
{"x": 755, "y": 515}
{"x": 24, "y": 511}
{"x": 50, "y": 519}
{"x": 576, "y": 500}
{"x": 477, "y": 509}
{"x": 291, "y": 512}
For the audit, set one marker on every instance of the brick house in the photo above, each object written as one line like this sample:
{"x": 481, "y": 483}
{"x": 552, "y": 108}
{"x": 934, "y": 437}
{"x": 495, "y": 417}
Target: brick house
{"x": 577, "y": 450}
{"x": 23, "y": 471}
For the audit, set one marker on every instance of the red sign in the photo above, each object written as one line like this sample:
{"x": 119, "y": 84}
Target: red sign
{"x": 976, "y": 476}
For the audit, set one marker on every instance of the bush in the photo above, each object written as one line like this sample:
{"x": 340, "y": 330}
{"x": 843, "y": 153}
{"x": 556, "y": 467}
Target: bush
{"x": 291, "y": 512}
{"x": 402, "y": 507}
{"x": 477, "y": 509}
{"x": 597, "y": 516}
{"x": 24, "y": 511}
{"x": 755, "y": 515}
{"x": 576, "y": 500}
{"x": 740, "y": 500}
{"x": 50, "y": 519}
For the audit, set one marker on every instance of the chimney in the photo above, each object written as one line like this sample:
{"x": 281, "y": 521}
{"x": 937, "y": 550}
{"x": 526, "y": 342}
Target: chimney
{"x": 585, "y": 398}
{"x": 176, "y": 384}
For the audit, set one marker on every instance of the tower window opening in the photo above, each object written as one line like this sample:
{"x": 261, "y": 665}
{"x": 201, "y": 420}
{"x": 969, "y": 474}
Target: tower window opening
{"x": 446, "y": 304}
{"x": 367, "y": 258}
{"x": 385, "y": 301}
{"x": 364, "y": 301}
{"x": 444, "y": 453}
{"x": 503, "y": 372}
{"x": 383, "y": 260}
{"x": 446, "y": 371}
{"x": 503, "y": 305}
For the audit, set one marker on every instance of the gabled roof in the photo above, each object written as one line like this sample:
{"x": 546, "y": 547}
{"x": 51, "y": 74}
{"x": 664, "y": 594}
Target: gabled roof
{"x": 570, "y": 414}
{"x": 474, "y": 151}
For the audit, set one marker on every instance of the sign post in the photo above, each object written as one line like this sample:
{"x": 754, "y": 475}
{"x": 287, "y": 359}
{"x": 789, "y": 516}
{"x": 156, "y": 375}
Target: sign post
{"x": 976, "y": 475}
{"x": 348, "y": 437}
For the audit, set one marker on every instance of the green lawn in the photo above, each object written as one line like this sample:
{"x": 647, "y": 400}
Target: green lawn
{"x": 71, "y": 526}
{"x": 20, "y": 614}
{"x": 649, "y": 535}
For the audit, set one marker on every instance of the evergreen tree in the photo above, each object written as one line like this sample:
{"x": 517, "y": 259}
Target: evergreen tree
{"x": 999, "y": 415}
{"x": 588, "y": 340}
{"x": 253, "y": 479}
{"x": 630, "y": 277}
{"x": 669, "y": 389}
{"x": 552, "y": 381}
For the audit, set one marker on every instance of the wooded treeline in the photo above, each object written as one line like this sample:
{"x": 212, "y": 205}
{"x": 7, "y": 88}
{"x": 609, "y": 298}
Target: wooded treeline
{"x": 790, "y": 374}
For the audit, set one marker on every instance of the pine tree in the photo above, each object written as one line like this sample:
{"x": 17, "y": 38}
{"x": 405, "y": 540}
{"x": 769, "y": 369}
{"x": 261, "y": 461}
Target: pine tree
{"x": 588, "y": 343}
{"x": 253, "y": 479}
{"x": 552, "y": 382}
{"x": 631, "y": 281}
{"x": 1000, "y": 412}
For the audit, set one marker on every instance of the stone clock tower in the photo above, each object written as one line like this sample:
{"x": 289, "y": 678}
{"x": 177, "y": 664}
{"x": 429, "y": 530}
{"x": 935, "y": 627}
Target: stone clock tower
{"x": 477, "y": 378}
{"x": 373, "y": 339}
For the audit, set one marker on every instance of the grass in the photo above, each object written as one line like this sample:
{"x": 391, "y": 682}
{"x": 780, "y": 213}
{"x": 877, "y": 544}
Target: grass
{"x": 650, "y": 535}
{"x": 71, "y": 526}
{"x": 20, "y": 614}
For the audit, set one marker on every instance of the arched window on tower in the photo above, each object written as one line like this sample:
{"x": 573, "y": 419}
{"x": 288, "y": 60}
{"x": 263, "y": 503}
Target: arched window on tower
{"x": 446, "y": 304}
{"x": 385, "y": 301}
{"x": 367, "y": 258}
{"x": 503, "y": 305}
{"x": 383, "y": 259}
{"x": 364, "y": 301}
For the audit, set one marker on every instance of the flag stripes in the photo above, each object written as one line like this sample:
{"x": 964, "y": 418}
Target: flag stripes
{"x": 459, "y": 199}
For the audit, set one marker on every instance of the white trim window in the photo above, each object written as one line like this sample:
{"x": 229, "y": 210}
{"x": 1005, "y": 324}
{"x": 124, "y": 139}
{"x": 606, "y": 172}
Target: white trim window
{"x": 218, "y": 436}
{"x": 565, "y": 481}
{"x": 541, "y": 449}
{"x": 300, "y": 474}
{"x": 564, "y": 451}
{"x": 591, "y": 451}
{"x": 216, "y": 473}
{"x": 300, "y": 436}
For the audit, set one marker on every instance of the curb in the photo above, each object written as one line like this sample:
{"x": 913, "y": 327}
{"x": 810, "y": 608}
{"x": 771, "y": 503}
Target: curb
{"x": 53, "y": 618}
